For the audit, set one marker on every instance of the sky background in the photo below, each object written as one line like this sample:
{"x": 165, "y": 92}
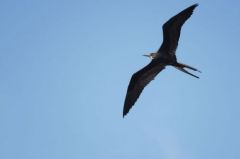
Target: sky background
{"x": 65, "y": 67}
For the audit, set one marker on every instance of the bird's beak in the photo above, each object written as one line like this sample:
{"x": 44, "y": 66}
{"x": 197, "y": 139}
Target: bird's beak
{"x": 147, "y": 55}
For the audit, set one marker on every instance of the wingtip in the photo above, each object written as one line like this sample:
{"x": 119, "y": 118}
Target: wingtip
{"x": 126, "y": 109}
{"x": 195, "y": 5}
{"x": 124, "y": 114}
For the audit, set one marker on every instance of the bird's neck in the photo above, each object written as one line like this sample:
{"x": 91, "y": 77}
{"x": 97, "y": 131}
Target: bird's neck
{"x": 154, "y": 55}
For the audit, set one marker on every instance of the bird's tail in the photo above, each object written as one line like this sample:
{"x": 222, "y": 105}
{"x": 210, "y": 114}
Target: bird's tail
{"x": 181, "y": 66}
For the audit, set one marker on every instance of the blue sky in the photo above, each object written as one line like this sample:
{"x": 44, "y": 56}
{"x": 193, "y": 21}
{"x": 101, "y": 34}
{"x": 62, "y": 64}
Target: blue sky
{"x": 65, "y": 67}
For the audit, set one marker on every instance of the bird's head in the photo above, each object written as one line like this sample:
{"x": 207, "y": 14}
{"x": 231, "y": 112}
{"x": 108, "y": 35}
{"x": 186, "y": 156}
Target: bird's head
{"x": 151, "y": 55}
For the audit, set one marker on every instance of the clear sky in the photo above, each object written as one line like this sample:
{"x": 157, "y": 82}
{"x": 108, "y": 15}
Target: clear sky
{"x": 65, "y": 67}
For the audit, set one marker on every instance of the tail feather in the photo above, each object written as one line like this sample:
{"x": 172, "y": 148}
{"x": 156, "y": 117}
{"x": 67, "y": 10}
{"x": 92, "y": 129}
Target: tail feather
{"x": 185, "y": 71}
{"x": 189, "y": 67}
{"x": 180, "y": 66}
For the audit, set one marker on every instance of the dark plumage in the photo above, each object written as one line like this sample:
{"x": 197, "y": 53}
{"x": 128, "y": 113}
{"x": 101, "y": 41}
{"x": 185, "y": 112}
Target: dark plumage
{"x": 163, "y": 57}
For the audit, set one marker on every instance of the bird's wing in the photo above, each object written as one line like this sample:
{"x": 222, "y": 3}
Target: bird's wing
{"x": 138, "y": 81}
{"x": 172, "y": 30}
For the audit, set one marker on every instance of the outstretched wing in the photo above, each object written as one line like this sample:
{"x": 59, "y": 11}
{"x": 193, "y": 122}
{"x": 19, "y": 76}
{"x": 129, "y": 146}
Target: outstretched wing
{"x": 138, "y": 81}
{"x": 172, "y": 30}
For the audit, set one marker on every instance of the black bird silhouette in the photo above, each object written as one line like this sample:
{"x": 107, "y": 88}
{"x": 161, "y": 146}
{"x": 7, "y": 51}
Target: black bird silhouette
{"x": 163, "y": 57}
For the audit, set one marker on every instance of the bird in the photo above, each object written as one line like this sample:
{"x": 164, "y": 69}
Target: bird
{"x": 165, "y": 56}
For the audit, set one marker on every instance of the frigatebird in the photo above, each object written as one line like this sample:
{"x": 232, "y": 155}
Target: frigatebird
{"x": 166, "y": 55}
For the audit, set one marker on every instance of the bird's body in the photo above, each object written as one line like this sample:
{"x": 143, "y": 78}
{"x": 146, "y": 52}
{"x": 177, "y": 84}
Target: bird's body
{"x": 163, "y": 57}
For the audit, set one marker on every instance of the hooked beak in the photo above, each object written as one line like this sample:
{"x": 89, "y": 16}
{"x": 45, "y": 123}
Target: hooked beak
{"x": 147, "y": 55}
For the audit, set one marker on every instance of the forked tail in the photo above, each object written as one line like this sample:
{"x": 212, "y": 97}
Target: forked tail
{"x": 181, "y": 66}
